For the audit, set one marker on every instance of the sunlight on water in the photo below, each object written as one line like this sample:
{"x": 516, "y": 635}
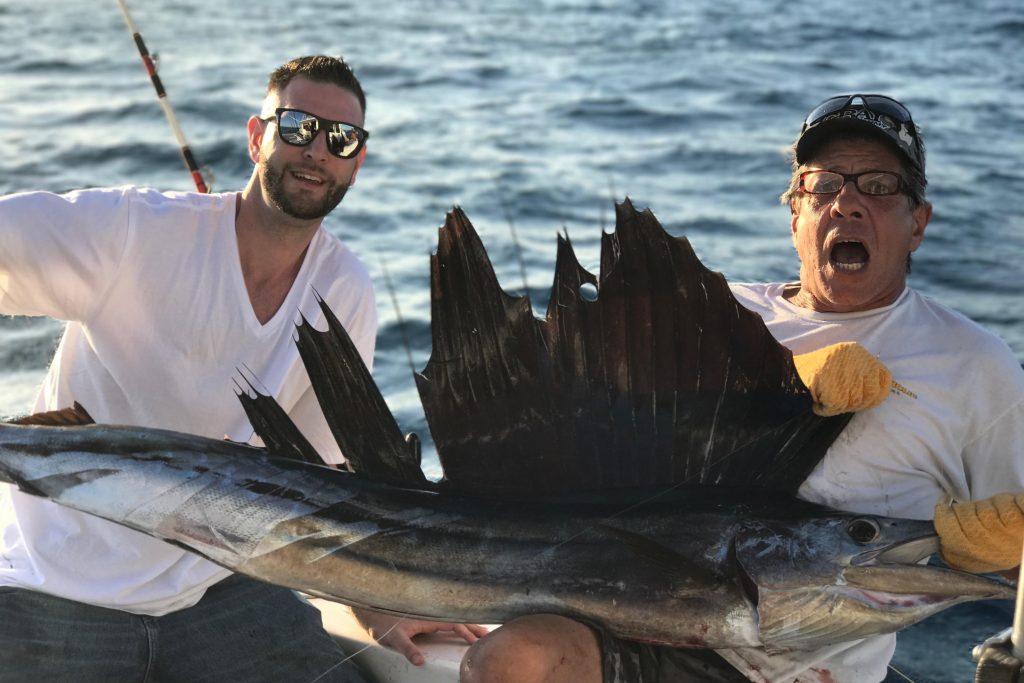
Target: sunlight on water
{"x": 18, "y": 392}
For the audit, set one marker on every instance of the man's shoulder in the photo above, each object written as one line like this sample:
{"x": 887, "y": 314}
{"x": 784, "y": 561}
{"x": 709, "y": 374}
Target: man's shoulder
{"x": 950, "y": 333}
{"x": 754, "y": 288}
{"x": 333, "y": 254}
{"x": 336, "y": 271}
{"x": 758, "y": 290}
{"x": 167, "y": 199}
{"x": 143, "y": 193}
{"x": 954, "y": 325}
{"x": 764, "y": 298}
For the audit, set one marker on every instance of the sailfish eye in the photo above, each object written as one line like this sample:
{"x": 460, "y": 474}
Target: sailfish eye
{"x": 863, "y": 530}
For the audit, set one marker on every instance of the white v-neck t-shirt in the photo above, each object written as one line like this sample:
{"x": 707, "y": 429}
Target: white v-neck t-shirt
{"x": 159, "y": 325}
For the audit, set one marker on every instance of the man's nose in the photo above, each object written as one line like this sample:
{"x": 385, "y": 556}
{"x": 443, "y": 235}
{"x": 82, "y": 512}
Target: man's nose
{"x": 318, "y": 148}
{"x": 849, "y": 201}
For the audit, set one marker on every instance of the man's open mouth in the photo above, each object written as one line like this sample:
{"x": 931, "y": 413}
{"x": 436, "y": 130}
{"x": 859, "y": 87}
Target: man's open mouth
{"x": 849, "y": 255}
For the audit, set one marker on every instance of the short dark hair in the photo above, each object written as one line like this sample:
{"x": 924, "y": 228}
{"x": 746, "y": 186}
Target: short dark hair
{"x": 914, "y": 180}
{"x": 320, "y": 68}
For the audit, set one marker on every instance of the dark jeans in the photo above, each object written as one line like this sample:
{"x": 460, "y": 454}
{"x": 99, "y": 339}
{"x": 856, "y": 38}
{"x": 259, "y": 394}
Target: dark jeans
{"x": 242, "y": 630}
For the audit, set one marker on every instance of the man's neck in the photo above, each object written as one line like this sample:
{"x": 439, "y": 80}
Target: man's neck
{"x": 271, "y": 249}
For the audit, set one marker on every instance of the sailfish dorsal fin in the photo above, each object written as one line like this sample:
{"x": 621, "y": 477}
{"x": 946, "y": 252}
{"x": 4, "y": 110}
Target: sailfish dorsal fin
{"x": 663, "y": 379}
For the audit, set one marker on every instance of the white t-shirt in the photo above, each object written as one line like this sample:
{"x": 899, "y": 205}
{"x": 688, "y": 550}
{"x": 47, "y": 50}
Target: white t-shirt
{"x": 159, "y": 327}
{"x": 952, "y": 428}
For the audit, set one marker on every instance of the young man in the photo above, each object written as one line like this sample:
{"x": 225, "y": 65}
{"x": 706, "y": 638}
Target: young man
{"x": 166, "y": 296}
{"x": 951, "y": 430}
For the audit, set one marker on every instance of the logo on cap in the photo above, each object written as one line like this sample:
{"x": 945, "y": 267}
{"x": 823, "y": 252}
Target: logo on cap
{"x": 905, "y": 136}
{"x": 879, "y": 120}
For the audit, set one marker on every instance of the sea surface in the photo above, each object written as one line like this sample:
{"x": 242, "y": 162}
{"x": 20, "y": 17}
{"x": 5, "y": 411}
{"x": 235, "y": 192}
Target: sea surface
{"x": 535, "y": 116}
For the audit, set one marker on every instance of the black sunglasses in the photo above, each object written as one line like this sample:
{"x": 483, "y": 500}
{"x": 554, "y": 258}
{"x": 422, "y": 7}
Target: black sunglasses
{"x": 881, "y": 105}
{"x": 299, "y": 128}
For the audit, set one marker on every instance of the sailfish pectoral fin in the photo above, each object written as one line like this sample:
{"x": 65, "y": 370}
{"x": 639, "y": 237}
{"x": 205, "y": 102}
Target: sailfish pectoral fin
{"x": 75, "y": 416}
{"x": 655, "y": 554}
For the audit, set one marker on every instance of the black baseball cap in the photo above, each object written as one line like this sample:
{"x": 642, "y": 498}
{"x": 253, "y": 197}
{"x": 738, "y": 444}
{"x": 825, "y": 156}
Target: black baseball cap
{"x": 877, "y": 115}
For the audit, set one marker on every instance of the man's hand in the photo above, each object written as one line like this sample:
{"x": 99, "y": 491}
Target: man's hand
{"x": 397, "y": 632}
{"x": 843, "y": 378}
{"x": 982, "y": 535}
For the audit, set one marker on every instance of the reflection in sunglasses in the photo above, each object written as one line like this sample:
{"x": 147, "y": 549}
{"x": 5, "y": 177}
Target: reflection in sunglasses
{"x": 297, "y": 127}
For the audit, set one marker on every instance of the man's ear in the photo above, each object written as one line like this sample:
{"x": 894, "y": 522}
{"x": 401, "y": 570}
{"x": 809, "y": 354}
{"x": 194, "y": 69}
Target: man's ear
{"x": 359, "y": 163}
{"x": 794, "y": 216}
{"x": 921, "y": 215}
{"x": 256, "y": 128}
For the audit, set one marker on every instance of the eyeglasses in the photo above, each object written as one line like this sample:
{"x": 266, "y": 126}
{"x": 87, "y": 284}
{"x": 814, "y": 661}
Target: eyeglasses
{"x": 873, "y": 183}
{"x": 879, "y": 106}
{"x": 299, "y": 128}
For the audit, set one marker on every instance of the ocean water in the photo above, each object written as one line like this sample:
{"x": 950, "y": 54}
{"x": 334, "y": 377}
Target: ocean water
{"x": 534, "y": 116}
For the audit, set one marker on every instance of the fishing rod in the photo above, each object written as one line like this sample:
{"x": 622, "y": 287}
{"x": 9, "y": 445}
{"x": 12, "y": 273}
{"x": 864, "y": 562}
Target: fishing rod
{"x": 147, "y": 61}
{"x": 515, "y": 241}
{"x": 398, "y": 316}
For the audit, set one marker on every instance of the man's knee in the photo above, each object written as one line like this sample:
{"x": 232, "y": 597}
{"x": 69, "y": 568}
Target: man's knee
{"x": 535, "y": 649}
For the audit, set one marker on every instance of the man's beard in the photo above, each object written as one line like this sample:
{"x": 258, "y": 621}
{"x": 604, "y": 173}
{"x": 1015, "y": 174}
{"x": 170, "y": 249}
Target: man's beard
{"x": 273, "y": 186}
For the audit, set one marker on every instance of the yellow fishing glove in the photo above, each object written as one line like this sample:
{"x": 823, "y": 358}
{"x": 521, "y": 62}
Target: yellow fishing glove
{"x": 982, "y": 535}
{"x": 843, "y": 378}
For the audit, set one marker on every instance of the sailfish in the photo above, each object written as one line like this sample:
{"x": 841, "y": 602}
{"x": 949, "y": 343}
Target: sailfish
{"x": 630, "y": 460}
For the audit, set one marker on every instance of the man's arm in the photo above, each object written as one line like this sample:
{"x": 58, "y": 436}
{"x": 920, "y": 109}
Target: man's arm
{"x": 60, "y": 253}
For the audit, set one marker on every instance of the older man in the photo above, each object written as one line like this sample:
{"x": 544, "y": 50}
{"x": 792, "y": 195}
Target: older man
{"x": 952, "y": 429}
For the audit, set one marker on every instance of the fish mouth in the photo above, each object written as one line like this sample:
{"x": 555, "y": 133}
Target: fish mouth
{"x": 849, "y": 255}
{"x": 892, "y": 585}
{"x": 865, "y": 601}
{"x": 896, "y": 586}
{"x": 881, "y": 590}
{"x": 891, "y": 577}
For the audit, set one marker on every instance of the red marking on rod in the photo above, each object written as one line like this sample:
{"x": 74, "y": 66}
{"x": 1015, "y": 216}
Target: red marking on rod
{"x": 197, "y": 178}
{"x": 193, "y": 167}
{"x": 147, "y": 61}
{"x": 158, "y": 85}
{"x": 150, "y": 68}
